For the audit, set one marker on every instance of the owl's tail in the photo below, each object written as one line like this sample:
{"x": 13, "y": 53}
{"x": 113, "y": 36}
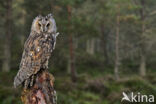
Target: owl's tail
{"x": 17, "y": 81}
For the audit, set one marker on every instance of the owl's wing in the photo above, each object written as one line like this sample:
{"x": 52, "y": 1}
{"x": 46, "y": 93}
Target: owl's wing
{"x": 54, "y": 39}
{"x": 31, "y": 60}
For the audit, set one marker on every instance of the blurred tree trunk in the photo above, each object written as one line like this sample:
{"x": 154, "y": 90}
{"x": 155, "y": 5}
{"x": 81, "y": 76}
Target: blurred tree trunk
{"x": 76, "y": 45}
{"x": 90, "y": 46}
{"x": 7, "y": 41}
{"x": 143, "y": 65}
{"x": 52, "y": 5}
{"x": 87, "y": 46}
{"x": 142, "y": 56}
{"x": 98, "y": 45}
{"x": 116, "y": 68}
{"x": 104, "y": 44}
{"x": 71, "y": 46}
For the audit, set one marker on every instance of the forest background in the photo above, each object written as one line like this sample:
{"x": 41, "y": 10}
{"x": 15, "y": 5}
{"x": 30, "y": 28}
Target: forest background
{"x": 105, "y": 47}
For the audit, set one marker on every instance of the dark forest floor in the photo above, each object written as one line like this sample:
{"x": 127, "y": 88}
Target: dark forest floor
{"x": 89, "y": 89}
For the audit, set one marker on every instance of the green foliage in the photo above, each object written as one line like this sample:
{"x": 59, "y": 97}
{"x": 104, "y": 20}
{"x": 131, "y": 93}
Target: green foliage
{"x": 90, "y": 19}
{"x": 88, "y": 89}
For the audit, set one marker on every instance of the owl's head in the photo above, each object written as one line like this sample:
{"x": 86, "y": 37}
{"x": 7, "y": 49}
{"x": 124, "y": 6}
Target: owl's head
{"x": 45, "y": 24}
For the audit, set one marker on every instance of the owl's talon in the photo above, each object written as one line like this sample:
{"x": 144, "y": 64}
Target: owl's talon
{"x": 32, "y": 81}
{"x": 55, "y": 97}
{"x": 45, "y": 67}
{"x": 26, "y": 84}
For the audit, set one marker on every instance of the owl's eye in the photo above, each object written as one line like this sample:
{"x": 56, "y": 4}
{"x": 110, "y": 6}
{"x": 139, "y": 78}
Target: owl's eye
{"x": 48, "y": 24}
{"x": 39, "y": 24}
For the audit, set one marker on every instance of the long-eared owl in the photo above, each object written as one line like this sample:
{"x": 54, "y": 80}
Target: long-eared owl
{"x": 37, "y": 49}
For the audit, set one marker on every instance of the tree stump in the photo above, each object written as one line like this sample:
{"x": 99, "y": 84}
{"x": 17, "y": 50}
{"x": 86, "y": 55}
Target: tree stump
{"x": 42, "y": 92}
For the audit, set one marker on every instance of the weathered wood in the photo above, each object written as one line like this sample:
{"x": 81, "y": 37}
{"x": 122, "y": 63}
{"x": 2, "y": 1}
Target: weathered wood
{"x": 42, "y": 92}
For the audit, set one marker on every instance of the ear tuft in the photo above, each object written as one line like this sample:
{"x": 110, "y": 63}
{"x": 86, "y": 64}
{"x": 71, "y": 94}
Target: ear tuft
{"x": 49, "y": 15}
{"x": 39, "y": 16}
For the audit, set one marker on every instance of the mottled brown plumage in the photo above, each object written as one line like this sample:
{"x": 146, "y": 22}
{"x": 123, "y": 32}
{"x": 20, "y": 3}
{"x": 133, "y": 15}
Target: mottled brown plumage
{"x": 37, "y": 49}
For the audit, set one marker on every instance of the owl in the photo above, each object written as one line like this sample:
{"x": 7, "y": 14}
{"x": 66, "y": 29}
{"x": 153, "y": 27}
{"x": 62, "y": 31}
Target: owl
{"x": 37, "y": 50}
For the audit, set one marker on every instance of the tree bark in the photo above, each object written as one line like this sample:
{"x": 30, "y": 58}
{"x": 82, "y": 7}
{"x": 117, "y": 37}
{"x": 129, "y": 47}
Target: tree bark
{"x": 7, "y": 41}
{"x": 71, "y": 48}
{"x": 142, "y": 56}
{"x": 42, "y": 91}
{"x": 116, "y": 68}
